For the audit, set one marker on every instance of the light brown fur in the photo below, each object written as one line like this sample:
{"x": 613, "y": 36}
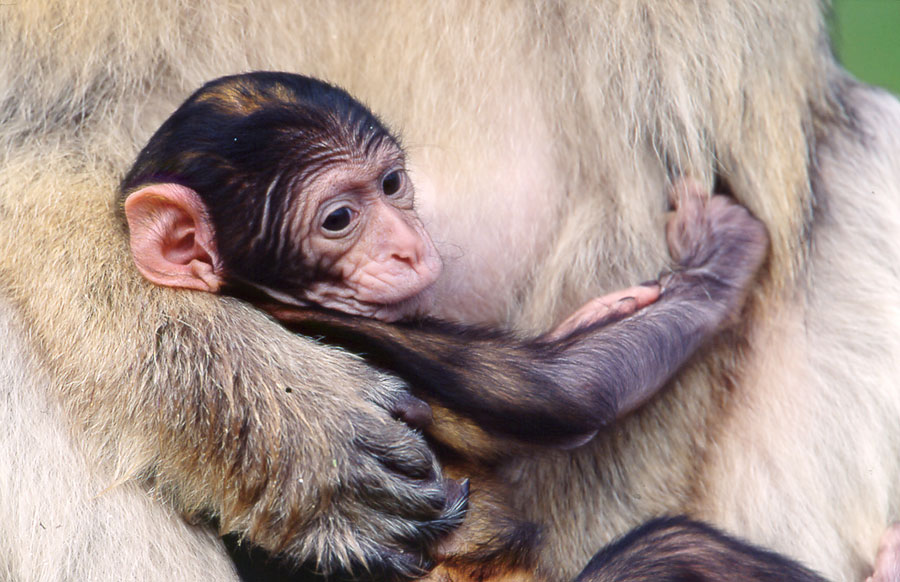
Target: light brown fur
{"x": 541, "y": 136}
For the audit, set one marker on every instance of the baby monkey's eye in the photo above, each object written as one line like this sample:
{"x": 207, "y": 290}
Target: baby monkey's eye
{"x": 391, "y": 183}
{"x": 338, "y": 220}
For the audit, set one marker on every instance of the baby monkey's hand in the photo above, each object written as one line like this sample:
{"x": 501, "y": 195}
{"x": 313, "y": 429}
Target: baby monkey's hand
{"x": 713, "y": 241}
{"x": 608, "y": 308}
{"x": 718, "y": 247}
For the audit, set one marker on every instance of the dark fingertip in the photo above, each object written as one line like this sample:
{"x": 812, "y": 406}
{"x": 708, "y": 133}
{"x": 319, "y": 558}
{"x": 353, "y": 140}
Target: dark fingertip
{"x": 414, "y": 412}
{"x": 650, "y": 283}
{"x": 456, "y": 502}
{"x": 457, "y": 491}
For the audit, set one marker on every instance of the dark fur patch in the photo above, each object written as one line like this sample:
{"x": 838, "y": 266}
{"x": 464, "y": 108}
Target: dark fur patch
{"x": 678, "y": 549}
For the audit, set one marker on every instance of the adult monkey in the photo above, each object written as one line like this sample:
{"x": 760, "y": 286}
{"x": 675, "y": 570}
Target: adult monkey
{"x": 785, "y": 434}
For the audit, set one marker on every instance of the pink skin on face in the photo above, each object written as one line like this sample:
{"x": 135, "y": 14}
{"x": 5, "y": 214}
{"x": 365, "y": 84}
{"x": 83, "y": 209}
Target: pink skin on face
{"x": 371, "y": 240}
{"x": 390, "y": 265}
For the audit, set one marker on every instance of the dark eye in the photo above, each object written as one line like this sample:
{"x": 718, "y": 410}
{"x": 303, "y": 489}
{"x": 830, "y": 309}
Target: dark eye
{"x": 338, "y": 220}
{"x": 390, "y": 184}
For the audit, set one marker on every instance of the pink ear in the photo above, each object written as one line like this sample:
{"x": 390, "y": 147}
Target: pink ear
{"x": 172, "y": 238}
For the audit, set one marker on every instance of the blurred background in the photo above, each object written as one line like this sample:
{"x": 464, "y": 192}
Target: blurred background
{"x": 866, "y": 38}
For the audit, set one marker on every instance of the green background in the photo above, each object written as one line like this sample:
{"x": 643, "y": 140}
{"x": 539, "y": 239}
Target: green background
{"x": 866, "y": 38}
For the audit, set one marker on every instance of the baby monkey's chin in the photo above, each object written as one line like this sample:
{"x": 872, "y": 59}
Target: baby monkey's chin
{"x": 413, "y": 307}
{"x": 388, "y": 311}
{"x": 407, "y": 309}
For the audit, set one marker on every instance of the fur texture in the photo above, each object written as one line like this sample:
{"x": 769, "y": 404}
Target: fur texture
{"x": 542, "y": 135}
{"x": 63, "y": 520}
{"x": 681, "y": 550}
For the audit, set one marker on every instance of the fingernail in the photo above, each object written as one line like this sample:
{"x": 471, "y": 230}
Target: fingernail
{"x": 624, "y": 299}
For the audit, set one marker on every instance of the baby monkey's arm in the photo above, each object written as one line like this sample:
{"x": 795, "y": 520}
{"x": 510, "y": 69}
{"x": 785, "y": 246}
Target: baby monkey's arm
{"x": 560, "y": 391}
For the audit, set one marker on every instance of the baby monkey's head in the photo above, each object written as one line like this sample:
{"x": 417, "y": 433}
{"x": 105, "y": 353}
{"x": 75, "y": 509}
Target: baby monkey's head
{"x": 284, "y": 184}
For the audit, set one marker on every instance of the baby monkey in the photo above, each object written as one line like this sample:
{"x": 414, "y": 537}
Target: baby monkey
{"x": 286, "y": 191}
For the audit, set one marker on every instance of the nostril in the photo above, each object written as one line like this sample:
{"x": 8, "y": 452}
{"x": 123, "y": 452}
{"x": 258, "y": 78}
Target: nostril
{"x": 403, "y": 258}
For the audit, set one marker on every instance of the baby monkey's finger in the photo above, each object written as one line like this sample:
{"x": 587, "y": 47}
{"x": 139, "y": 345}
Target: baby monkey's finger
{"x": 686, "y": 191}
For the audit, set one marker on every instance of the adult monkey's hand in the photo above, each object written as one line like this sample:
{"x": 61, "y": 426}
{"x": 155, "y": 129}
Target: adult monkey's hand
{"x": 312, "y": 461}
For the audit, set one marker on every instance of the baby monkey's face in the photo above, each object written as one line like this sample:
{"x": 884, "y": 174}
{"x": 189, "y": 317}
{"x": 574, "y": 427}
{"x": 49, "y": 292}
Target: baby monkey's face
{"x": 360, "y": 233}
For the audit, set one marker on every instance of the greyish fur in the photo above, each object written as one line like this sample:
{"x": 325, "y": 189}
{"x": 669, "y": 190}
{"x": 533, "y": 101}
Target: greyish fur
{"x": 541, "y": 136}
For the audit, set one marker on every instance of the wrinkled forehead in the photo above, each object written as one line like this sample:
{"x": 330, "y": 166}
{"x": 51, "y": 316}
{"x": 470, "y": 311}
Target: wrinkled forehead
{"x": 345, "y": 151}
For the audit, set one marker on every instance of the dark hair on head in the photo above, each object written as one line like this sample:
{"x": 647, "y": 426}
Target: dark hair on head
{"x": 249, "y": 133}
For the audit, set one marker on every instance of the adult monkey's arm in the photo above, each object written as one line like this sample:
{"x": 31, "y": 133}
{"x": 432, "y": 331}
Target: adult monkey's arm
{"x": 290, "y": 444}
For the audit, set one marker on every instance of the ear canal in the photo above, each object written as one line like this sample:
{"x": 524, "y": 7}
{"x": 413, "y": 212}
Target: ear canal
{"x": 172, "y": 238}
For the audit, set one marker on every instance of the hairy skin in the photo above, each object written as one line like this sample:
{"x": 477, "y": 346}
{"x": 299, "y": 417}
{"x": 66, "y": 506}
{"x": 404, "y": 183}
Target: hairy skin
{"x": 557, "y": 124}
